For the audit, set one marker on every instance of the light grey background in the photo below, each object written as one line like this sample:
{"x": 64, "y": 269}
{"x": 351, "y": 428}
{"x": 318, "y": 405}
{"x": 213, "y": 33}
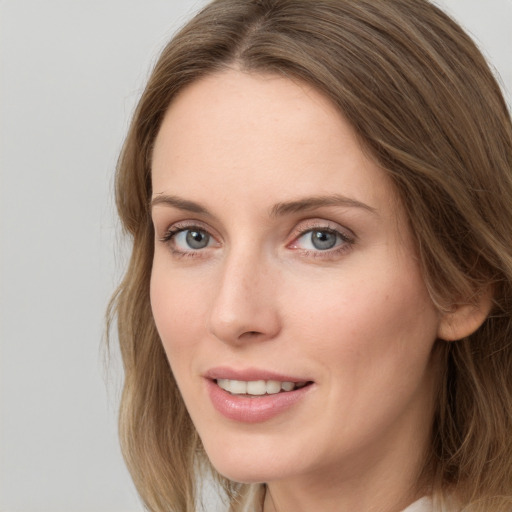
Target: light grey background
{"x": 70, "y": 74}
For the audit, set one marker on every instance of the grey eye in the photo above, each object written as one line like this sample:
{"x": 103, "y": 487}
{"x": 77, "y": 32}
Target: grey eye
{"x": 190, "y": 239}
{"x": 323, "y": 240}
{"x": 196, "y": 239}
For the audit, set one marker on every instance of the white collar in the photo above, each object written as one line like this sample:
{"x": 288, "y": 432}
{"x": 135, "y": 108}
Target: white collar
{"x": 255, "y": 495}
{"x": 422, "y": 505}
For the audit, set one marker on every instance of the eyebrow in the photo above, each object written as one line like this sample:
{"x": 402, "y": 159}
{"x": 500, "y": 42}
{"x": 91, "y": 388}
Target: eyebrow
{"x": 278, "y": 210}
{"x": 179, "y": 203}
{"x": 314, "y": 202}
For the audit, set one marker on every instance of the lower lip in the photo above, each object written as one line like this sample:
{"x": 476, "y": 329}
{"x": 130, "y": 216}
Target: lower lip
{"x": 253, "y": 409}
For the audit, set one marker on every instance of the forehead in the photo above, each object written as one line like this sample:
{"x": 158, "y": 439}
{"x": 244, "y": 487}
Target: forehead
{"x": 241, "y": 107}
{"x": 261, "y": 134}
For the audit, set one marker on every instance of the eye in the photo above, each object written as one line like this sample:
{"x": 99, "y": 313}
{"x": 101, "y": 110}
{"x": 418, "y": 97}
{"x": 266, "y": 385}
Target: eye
{"x": 320, "y": 239}
{"x": 184, "y": 240}
{"x": 192, "y": 239}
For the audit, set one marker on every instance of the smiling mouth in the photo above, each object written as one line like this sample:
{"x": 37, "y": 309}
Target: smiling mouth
{"x": 258, "y": 387}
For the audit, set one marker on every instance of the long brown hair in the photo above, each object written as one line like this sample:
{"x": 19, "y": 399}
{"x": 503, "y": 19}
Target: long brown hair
{"x": 425, "y": 105}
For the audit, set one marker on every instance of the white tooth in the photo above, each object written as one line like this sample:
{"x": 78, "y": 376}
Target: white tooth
{"x": 238, "y": 387}
{"x": 273, "y": 387}
{"x": 224, "y": 384}
{"x": 256, "y": 387}
{"x": 287, "y": 386}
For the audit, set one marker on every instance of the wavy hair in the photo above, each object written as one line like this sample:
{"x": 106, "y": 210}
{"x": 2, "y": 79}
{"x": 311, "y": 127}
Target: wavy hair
{"x": 429, "y": 111}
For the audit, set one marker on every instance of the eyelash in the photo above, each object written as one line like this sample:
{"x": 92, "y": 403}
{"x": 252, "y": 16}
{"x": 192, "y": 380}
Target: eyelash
{"x": 331, "y": 253}
{"x": 347, "y": 241}
{"x": 174, "y": 231}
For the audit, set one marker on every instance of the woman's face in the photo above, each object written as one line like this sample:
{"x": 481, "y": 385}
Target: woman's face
{"x": 285, "y": 286}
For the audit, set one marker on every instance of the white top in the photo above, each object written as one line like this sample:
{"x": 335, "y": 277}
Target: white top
{"x": 422, "y": 505}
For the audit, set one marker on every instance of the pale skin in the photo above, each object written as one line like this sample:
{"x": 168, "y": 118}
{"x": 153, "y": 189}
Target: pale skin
{"x": 246, "y": 169}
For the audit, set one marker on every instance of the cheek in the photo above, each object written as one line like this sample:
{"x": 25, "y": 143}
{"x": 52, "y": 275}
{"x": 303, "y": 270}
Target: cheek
{"x": 373, "y": 345}
{"x": 377, "y": 322}
{"x": 177, "y": 310}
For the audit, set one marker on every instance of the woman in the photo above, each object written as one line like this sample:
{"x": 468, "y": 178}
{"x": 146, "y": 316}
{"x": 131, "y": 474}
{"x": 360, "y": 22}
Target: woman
{"x": 318, "y": 305}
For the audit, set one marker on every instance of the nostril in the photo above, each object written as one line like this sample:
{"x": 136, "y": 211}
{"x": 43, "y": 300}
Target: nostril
{"x": 251, "y": 334}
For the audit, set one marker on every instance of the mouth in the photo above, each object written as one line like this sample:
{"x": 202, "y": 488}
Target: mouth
{"x": 254, "y": 395}
{"x": 255, "y": 388}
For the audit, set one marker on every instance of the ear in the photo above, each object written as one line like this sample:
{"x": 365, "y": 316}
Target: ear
{"x": 465, "y": 319}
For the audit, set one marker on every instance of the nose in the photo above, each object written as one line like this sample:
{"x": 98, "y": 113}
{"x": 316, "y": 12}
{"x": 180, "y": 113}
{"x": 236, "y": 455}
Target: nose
{"x": 244, "y": 306}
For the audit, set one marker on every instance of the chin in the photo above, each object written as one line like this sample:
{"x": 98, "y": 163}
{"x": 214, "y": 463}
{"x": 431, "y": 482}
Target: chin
{"x": 248, "y": 468}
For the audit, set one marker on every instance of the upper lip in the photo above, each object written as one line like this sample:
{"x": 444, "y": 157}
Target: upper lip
{"x": 250, "y": 374}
